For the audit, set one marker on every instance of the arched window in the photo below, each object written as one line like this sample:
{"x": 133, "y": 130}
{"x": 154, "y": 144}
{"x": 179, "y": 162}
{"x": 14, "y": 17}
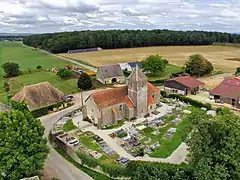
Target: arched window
{"x": 120, "y": 107}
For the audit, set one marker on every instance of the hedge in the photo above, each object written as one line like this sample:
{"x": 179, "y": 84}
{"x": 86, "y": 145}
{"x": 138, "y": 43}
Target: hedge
{"x": 156, "y": 170}
{"x": 190, "y": 101}
{"x": 111, "y": 169}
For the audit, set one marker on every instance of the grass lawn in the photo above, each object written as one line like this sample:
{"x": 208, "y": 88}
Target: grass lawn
{"x": 69, "y": 126}
{"x": 89, "y": 142}
{"x": 16, "y": 83}
{"x": 119, "y": 124}
{"x": 28, "y": 58}
{"x": 170, "y": 68}
{"x": 95, "y": 175}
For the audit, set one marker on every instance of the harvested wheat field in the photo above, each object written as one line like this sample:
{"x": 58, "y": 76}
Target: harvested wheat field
{"x": 213, "y": 81}
{"x": 224, "y": 58}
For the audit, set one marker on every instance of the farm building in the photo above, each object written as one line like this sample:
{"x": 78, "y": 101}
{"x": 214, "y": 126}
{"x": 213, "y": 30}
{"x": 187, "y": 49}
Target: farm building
{"x": 125, "y": 67}
{"x": 42, "y": 97}
{"x": 182, "y": 85}
{"x": 110, "y": 74}
{"x": 84, "y": 50}
{"x": 136, "y": 99}
{"x": 228, "y": 91}
{"x": 134, "y": 64}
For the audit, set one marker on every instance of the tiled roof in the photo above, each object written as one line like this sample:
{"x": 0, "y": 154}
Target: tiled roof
{"x": 230, "y": 88}
{"x": 111, "y": 71}
{"x": 118, "y": 95}
{"x": 39, "y": 95}
{"x": 188, "y": 81}
{"x": 137, "y": 75}
{"x": 152, "y": 89}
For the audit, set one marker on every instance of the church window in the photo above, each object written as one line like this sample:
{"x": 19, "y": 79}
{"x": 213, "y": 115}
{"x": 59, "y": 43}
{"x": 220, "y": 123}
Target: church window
{"x": 150, "y": 107}
{"x": 92, "y": 110}
{"x": 120, "y": 107}
{"x": 153, "y": 96}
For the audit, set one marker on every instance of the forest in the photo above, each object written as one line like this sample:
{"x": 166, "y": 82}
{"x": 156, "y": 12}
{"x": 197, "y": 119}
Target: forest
{"x": 112, "y": 39}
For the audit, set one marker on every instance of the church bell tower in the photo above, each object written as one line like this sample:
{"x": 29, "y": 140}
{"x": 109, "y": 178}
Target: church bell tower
{"x": 137, "y": 92}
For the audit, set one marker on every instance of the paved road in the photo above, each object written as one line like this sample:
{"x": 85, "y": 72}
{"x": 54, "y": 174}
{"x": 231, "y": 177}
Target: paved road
{"x": 56, "y": 165}
{"x": 67, "y": 59}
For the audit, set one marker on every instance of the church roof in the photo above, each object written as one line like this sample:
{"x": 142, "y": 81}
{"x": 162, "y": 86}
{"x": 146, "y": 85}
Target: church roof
{"x": 137, "y": 75}
{"x": 110, "y": 97}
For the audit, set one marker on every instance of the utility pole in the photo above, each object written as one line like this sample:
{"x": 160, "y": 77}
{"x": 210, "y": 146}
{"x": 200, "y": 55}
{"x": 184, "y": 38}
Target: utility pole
{"x": 82, "y": 96}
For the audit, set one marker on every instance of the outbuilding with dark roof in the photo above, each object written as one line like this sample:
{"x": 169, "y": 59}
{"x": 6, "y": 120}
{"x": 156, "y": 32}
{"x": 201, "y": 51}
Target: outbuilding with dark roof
{"x": 182, "y": 85}
{"x": 110, "y": 74}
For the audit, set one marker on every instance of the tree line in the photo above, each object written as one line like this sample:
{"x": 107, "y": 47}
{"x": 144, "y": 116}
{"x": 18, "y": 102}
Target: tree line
{"x": 111, "y": 39}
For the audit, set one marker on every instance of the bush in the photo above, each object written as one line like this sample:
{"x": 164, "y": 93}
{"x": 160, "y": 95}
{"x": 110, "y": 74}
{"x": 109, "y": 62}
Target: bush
{"x": 11, "y": 69}
{"x": 64, "y": 73}
{"x": 111, "y": 169}
{"x": 114, "y": 170}
{"x": 39, "y": 67}
{"x": 163, "y": 93}
{"x": 124, "y": 134}
{"x": 154, "y": 170}
{"x": 88, "y": 160}
{"x": 190, "y": 101}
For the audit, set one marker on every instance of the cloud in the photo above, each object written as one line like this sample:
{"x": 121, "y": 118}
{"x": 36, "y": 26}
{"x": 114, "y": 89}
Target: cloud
{"x": 38, "y": 16}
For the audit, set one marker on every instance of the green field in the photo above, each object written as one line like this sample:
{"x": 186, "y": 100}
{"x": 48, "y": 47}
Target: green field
{"x": 28, "y": 58}
{"x": 170, "y": 68}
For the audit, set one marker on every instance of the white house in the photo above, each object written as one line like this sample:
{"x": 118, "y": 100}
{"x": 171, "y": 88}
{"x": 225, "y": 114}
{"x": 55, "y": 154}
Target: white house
{"x": 125, "y": 66}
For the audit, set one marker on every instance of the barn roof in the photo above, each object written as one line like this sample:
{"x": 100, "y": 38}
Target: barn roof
{"x": 134, "y": 64}
{"x": 187, "y": 81}
{"x": 109, "y": 71}
{"x": 229, "y": 87}
{"x": 39, "y": 95}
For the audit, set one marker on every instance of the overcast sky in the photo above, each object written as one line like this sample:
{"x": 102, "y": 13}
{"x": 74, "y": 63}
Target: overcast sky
{"x": 38, "y": 16}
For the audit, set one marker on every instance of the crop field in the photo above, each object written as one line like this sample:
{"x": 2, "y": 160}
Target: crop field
{"x": 224, "y": 58}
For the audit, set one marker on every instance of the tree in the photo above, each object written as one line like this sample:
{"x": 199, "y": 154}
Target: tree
{"x": 64, "y": 73}
{"x": 197, "y": 65}
{"x": 214, "y": 147}
{"x": 23, "y": 149}
{"x": 154, "y": 64}
{"x": 84, "y": 82}
{"x": 6, "y": 87}
{"x": 39, "y": 67}
{"x": 11, "y": 69}
{"x": 237, "y": 71}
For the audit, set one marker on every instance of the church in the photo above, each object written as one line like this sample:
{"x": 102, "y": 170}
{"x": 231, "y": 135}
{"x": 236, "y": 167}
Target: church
{"x": 135, "y": 100}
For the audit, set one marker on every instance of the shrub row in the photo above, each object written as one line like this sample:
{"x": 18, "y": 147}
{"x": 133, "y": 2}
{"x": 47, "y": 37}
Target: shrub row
{"x": 111, "y": 169}
{"x": 155, "y": 170}
{"x": 190, "y": 101}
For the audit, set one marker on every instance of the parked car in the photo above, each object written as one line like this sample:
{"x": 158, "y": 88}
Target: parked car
{"x": 69, "y": 97}
{"x": 218, "y": 101}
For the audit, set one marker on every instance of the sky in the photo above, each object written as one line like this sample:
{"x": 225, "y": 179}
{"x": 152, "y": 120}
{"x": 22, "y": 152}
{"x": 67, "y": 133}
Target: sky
{"x": 40, "y": 16}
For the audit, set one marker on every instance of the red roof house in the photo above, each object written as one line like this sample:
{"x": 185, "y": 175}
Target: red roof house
{"x": 182, "y": 85}
{"x": 228, "y": 91}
